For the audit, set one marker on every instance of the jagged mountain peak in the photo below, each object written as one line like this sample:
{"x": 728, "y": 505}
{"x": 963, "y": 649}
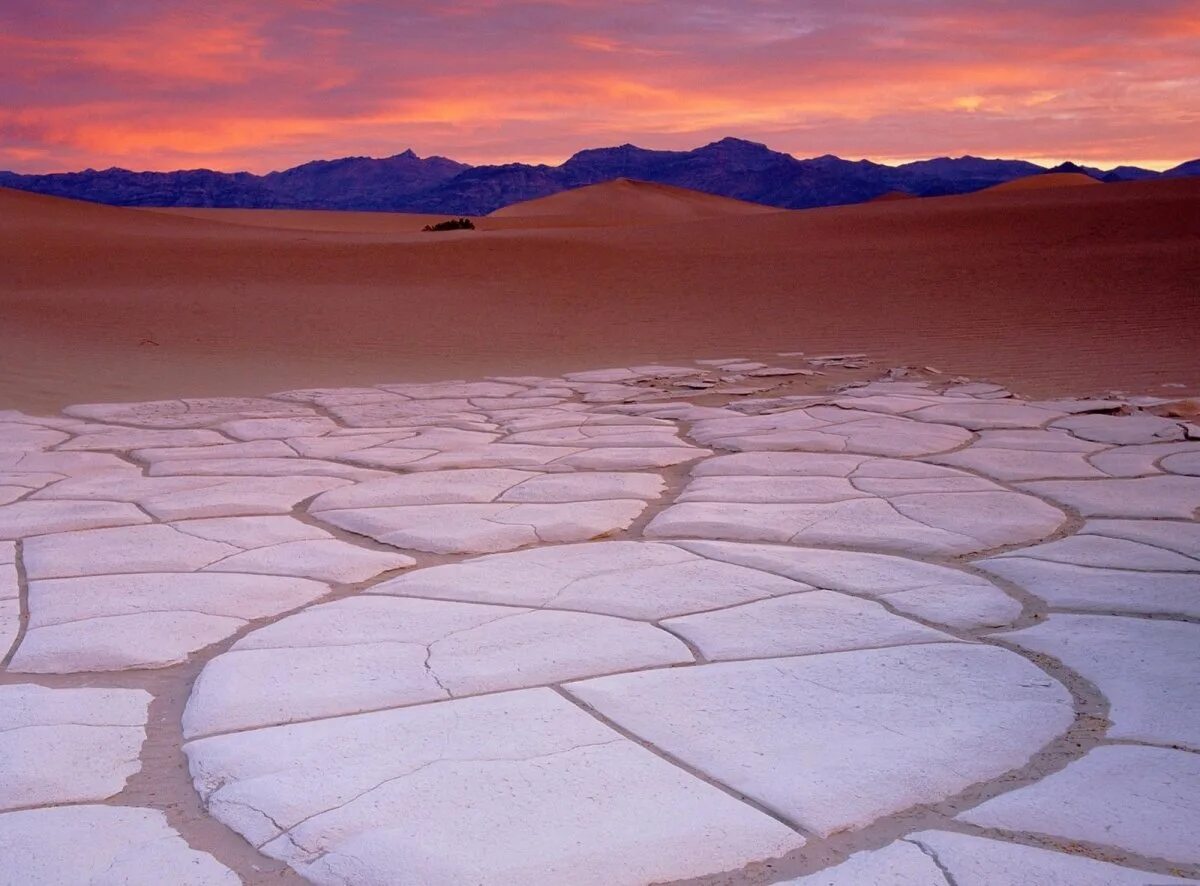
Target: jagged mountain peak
{"x": 738, "y": 145}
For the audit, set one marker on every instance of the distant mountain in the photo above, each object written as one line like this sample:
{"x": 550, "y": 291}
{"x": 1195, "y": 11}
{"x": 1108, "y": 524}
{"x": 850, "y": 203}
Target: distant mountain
{"x": 360, "y": 182}
{"x": 1116, "y": 174}
{"x": 730, "y": 167}
{"x": 349, "y": 183}
{"x": 1075, "y": 168}
{"x": 958, "y": 175}
{"x": 1130, "y": 174}
{"x": 624, "y": 161}
{"x": 480, "y": 189}
{"x": 121, "y": 187}
{"x": 1191, "y": 167}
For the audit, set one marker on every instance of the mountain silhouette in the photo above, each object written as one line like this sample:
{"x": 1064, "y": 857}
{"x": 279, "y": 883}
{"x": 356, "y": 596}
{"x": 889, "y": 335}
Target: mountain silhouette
{"x": 731, "y": 167}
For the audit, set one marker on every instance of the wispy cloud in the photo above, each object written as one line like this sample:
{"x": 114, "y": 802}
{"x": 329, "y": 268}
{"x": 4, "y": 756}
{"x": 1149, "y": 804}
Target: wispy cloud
{"x": 163, "y": 83}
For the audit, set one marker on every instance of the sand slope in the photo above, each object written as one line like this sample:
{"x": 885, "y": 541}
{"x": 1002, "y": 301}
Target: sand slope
{"x": 390, "y": 223}
{"x": 1043, "y": 181}
{"x": 1049, "y": 289}
{"x": 619, "y": 202}
{"x": 307, "y": 220}
{"x": 626, "y": 201}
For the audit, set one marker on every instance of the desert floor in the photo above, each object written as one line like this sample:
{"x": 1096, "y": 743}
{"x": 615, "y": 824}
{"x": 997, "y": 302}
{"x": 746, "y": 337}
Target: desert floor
{"x": 589, "y": 629}
{"x": 810, "y": 618}
{"x": 1055, "y": 290}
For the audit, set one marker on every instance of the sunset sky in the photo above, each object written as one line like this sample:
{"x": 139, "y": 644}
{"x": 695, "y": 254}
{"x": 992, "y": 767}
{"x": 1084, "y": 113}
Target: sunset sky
{"x": 164, "y": 84}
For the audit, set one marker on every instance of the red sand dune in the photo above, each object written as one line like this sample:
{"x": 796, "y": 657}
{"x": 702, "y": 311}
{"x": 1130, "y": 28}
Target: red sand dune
{"x": 892, "y": 196}
{"x": 305, "y": 220}
{"x": 1045, "y": 180}
{"x": 619, "y": 202}
{"x": 1057, "y": 289}
{"x": 625, "y": 201}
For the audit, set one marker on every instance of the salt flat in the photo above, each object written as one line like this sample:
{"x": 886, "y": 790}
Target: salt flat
{"x": 627, "y": 625}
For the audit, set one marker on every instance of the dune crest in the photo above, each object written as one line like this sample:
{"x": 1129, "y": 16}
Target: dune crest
{"x": 1044, "y": 181}
{"x": 628, "y": 201}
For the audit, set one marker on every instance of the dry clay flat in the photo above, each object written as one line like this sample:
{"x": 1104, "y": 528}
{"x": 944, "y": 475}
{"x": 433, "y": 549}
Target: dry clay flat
{"x": 649, "y": 624}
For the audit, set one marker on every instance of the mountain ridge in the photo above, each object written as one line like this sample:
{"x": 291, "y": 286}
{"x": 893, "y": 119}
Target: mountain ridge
{"x": 404, "y": 182}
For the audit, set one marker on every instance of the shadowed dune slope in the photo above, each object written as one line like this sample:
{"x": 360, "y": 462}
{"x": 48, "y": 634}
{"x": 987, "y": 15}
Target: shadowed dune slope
{"x": 391, "y": 223}
{"x": 310, "y": 220}
{"x": 1063, "y": 288}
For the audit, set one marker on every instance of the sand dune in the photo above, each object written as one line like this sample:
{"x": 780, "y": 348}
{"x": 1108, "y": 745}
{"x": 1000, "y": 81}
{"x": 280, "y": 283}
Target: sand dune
{"x": 392, "y": 223}
{"x": 1063, "y": 288}
{"x": 306, "y": 220}
{"x": 619, "y": 202}
{"x": 891, "y": 196}
{"x": 625, "y": 201}
{"x": 1043, "y": 181}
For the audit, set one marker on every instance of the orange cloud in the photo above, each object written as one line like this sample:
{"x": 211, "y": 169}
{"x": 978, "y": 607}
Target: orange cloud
{"x": 232, "y": 85}
{"x": 598, "y": 43}
{"x": 170, "y": 48}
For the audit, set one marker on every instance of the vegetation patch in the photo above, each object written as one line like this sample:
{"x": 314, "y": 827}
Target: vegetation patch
{"x": 453, "y": 224}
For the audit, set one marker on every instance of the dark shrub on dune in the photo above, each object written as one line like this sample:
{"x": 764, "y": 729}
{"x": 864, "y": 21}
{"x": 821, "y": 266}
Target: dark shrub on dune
{"x": 453, "y": 224}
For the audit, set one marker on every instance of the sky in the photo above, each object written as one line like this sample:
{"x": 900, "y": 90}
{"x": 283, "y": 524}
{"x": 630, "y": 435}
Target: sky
{"x": 257, "y": 86}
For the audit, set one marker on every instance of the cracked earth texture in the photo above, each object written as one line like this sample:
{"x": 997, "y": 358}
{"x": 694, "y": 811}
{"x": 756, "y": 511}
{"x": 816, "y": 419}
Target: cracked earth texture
{"x": 718, "y": 623}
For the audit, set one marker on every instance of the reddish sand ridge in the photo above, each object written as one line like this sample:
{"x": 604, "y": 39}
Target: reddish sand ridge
{"x": 301, "y": 220}
{"x": 624, "y": 201}
{"x": 1044, "y": 181}
{"x": 620, "y": 202}
{"x": 1080, "y": 288}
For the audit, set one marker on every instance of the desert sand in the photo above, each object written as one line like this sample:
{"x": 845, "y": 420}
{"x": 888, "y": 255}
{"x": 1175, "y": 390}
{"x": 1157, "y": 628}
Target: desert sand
{"x": 1070, "y": 288}
{"x": 616, "y": 203}
{"x": 1045, "y": 181}
{"x": 701, "y": 620}
{"x": 626, "y": 202}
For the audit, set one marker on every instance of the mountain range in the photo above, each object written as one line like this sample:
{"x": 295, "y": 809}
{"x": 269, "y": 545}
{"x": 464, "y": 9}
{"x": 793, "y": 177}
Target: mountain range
{"x": 730, "y": 167}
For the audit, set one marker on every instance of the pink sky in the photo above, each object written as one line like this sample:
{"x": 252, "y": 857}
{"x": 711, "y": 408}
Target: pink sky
{"x": 164, "y": 84}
